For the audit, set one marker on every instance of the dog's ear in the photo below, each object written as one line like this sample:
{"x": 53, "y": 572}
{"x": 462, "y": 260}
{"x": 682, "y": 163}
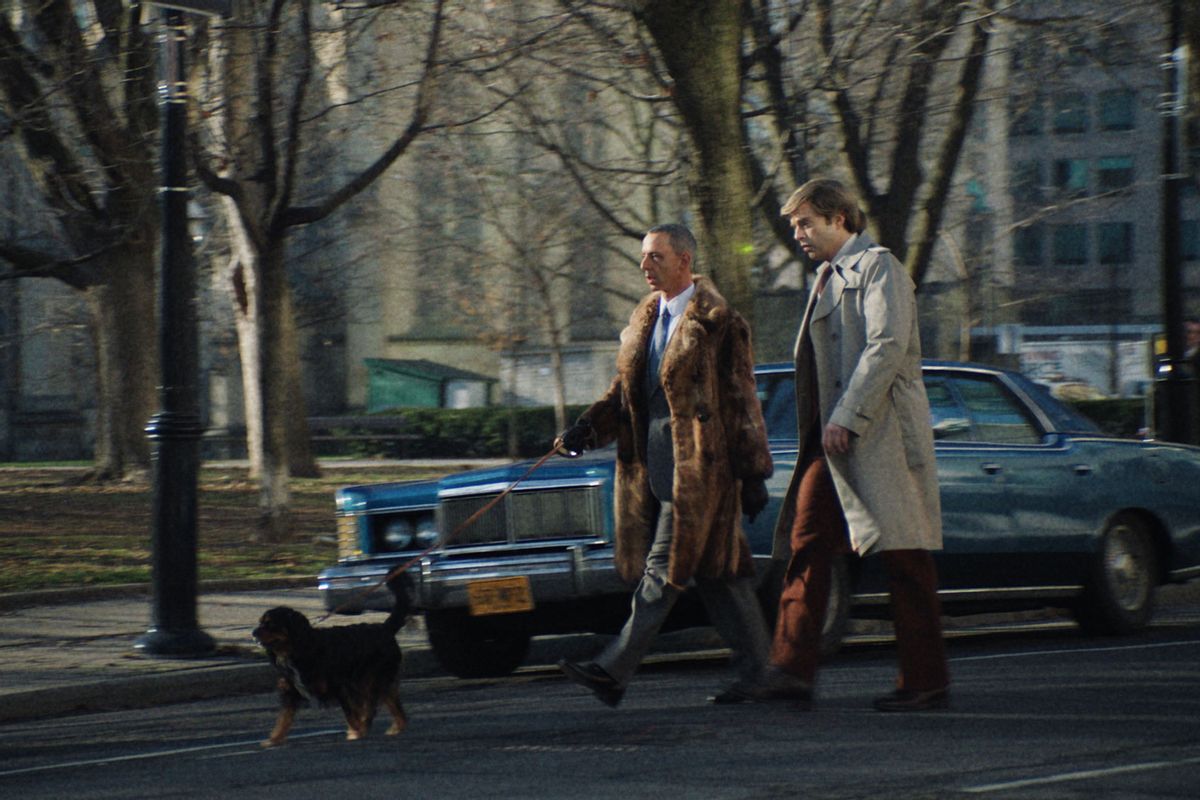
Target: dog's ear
{"x": 299, "y": 630}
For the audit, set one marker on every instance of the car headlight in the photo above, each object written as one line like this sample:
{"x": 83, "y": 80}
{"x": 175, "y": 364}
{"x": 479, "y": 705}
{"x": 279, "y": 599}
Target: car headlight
{"x": 427, "y": 531}
{"x": 398, "y": 533}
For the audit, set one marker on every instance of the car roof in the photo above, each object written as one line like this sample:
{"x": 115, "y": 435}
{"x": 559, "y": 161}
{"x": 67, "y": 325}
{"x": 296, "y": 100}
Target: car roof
{"x": 1056, "y": 415}
{"x": 928, "y": 363}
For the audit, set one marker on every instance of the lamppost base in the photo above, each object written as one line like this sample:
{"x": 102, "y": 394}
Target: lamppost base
{"x": 175, "y": 644}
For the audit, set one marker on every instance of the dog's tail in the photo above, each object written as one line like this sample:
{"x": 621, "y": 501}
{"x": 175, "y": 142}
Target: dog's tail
{"x": 399, "y": 584}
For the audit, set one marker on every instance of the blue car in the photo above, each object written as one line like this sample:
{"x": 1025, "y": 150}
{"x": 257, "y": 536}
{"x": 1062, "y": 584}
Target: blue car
{"x": 1039, "y": 508}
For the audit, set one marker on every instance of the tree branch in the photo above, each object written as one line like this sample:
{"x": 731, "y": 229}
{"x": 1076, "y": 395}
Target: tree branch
{"x": 304, "y": 215}
{"x": 78, "y": 273}
{"x": 930, "y": 216}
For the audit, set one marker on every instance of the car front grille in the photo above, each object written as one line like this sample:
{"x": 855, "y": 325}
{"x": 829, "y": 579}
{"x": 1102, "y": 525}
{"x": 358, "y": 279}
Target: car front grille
{"x": 574, "y": 512}
{"x": 347, "y": 537}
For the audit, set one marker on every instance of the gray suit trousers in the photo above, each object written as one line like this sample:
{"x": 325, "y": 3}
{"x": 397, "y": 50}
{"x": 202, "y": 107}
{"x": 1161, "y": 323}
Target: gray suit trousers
{"x": 731, "y": 604}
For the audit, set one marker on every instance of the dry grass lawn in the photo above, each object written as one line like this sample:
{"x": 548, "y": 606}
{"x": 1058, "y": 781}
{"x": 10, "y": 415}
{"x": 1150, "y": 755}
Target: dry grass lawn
{"x": 57, "y": 532}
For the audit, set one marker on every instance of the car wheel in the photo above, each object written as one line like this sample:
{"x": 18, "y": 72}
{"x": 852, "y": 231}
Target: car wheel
{"x": 1119, "y": 596}
{"x": 469, "y": 648}
{"x": 837, "y": 617}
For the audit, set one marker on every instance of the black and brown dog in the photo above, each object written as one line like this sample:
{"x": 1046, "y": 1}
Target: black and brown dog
{"x": 356, "y": 666}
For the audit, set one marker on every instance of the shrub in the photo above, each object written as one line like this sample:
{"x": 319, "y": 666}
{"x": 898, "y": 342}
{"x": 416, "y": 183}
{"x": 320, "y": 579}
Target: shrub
{"x": 440, "y": 432}
{"x": 1124, "y": 416}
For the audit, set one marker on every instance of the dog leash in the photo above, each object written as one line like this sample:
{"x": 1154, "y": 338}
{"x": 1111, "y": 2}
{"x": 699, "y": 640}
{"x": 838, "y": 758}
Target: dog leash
{"x": 449, "y": 538}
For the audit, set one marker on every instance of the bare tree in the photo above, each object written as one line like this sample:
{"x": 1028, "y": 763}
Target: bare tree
{"x": 263, "y": 87}
{"x": 700, "y": 43}
{"x": 900, "y": 79}
{"x": 79, "y": 89}
{"x": 752, "y": 84}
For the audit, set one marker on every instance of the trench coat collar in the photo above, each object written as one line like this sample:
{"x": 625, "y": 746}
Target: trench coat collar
{"x": 845, "y": 274}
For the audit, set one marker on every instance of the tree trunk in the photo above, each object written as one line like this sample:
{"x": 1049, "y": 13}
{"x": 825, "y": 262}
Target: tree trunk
{"x": 277, "y": 437}
{"x": 246, "y": 283}
{"x": 300, "y": 460}
{"x": 242, "y": 280}
{"x": 700, "y": 42}
{"x": 560, "y": 386}
{"x": 274, "y": 505}
{"x": 123, "y": 315}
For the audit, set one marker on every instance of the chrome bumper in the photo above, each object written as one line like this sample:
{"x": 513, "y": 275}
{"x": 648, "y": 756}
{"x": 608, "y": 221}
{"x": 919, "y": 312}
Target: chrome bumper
{"x": 440, "y": 579}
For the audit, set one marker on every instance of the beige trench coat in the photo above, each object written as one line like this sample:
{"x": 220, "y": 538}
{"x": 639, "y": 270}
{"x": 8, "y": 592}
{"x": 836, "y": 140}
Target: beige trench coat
{"x": 859, "y": 345}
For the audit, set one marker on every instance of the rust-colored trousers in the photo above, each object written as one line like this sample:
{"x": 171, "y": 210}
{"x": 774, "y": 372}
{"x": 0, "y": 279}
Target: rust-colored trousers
{"x": 818, "y": 537}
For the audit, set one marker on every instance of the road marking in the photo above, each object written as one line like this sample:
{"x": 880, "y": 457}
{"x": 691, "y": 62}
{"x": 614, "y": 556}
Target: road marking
{"x": 569, "y": 748}
{"x": 1079, "y": 776}
{"x": 1072, "y": 650}
{"x": 92, "y": 762}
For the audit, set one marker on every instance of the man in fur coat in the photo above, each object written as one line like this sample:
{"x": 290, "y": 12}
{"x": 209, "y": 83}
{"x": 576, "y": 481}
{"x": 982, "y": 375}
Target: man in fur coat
{"x": 691, "y": 458}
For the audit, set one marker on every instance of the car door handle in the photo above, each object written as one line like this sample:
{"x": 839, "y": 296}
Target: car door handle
{"x": 991, "y": 469}
{"x": 1083, "y": 469}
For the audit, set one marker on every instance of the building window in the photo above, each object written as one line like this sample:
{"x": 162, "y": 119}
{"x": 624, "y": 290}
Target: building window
{"x": 1189, "y": 235}
{"x": 1116, "y": 109}
{"x": 1027, "y": 182}
{"x": 1071, "y": 176}
{"x": 1027, "y": 116}
{"x": 1073, "y": 47}
{"x": 1116, "y": 44}
{"x": 1070, "y": 113}
{"x": 1070, "y": 244}
{"x": 1114, "y": 242}
{"x": 1026, "y": 52}
{"x": 1028, "y": 245}
{"x": 1114, "y": 173}
{"x": 1083, "y": 306}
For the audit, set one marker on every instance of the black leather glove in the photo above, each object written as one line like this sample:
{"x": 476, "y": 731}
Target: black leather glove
{"x": 573, "y": 441}
{"x": 754, "y": 497}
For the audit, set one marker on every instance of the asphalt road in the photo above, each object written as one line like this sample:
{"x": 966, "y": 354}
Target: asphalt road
{"x": 1044, "y": 715}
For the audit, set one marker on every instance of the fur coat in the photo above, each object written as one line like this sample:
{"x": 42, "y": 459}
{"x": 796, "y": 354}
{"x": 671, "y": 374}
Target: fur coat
{"x": 718, "y": 433}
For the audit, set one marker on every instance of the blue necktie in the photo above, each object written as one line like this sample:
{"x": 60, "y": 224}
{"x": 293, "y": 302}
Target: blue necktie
{"x": 659, "y": 343}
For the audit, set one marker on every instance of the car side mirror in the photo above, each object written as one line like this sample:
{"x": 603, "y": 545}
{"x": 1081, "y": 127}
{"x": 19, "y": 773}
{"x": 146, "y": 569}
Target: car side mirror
{"x": 950, "y": 428}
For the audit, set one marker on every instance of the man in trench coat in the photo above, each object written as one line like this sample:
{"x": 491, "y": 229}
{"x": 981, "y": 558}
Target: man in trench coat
{"x": 867, "y": 467}
{"x": 692, "y": 456}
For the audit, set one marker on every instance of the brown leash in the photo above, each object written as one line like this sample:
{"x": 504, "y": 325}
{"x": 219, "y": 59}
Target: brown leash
{"x": 361, "y": 593}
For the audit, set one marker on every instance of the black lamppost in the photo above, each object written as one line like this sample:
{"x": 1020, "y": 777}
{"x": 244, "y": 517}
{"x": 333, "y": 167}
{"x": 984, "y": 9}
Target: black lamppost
{"x": 175, "y": 430}
{"x": 1174, "y": 387}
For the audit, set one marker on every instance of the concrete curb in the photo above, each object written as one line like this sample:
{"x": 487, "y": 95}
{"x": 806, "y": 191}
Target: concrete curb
{"x": 87, "y": 594}
{"x": 138, "y": 691}
{"x": 182, "y": 685}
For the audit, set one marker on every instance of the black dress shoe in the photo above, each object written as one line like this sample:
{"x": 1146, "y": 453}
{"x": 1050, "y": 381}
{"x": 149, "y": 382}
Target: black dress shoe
{"x": 909, "y": 700}
{"x": 593, "y": 677}
{"x": 773, "y": 686}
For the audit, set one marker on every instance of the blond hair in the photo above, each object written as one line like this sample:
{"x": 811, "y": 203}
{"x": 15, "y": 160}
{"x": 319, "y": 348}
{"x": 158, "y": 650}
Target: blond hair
{"x": 828, "y": 198}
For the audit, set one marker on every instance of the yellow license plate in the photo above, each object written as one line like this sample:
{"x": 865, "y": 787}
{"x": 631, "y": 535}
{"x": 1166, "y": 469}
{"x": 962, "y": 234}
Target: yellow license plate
{"x": 499, "y": 596}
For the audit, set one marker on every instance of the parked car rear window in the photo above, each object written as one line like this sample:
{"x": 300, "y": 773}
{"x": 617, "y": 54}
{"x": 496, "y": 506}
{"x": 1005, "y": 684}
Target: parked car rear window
{"x": 1064, "y": 418}
{"x": 777, "y": 393}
